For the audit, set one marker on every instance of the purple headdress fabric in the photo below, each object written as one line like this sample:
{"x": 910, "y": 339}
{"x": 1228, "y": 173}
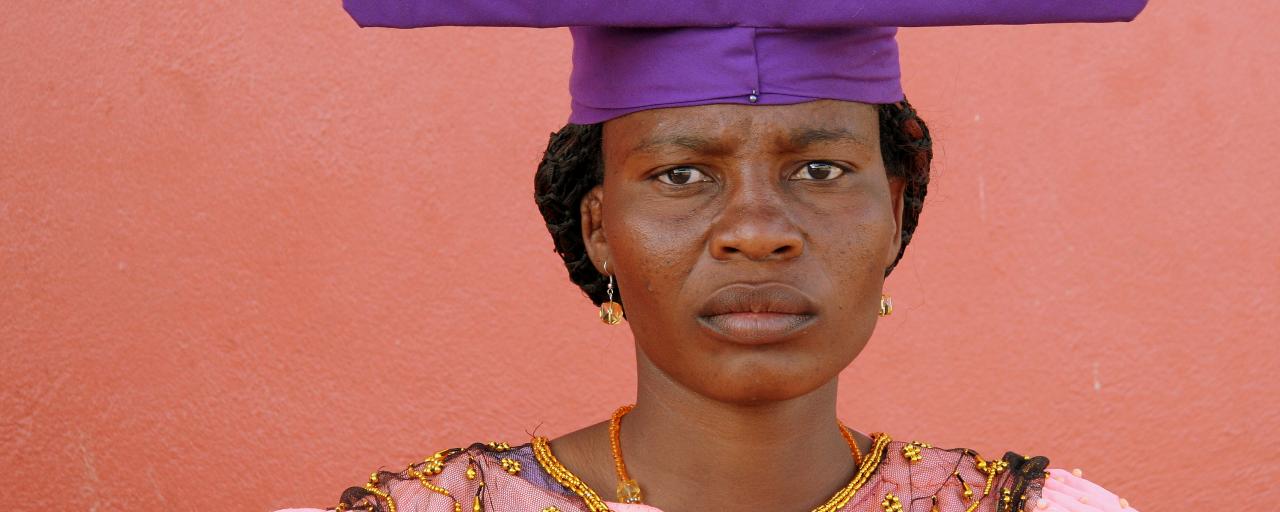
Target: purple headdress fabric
{"x": 632, "y": 55}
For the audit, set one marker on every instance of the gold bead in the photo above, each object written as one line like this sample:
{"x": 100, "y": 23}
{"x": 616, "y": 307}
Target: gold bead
{"x": 511, "y": 466}
{"x": 476, "y": 506}
{"x": 551, "y": 509}
{"x": 891, "y": 503}
{"x": 911, "y": 451}
{"x": 498, "y": 446}
{"x": 471, "y": 471}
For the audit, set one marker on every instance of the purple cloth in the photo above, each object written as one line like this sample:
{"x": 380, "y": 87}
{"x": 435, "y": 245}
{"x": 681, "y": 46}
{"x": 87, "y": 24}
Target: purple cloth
{"x": 741, "y": 13}
{"x": 632, "y": 55}
{"x": 619, "y": 71}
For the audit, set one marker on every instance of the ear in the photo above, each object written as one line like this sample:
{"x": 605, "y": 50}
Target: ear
{"x": 589, "y": 211}
{"x": 897, "y": 187}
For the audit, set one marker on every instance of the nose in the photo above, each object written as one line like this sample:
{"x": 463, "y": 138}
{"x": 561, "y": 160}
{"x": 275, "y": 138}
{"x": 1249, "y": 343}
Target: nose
{"x": 755, "y": 226}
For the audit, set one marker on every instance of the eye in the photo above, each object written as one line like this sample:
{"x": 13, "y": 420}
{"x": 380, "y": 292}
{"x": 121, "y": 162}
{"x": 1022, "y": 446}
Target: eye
{"x": 682, "y": 176}
{"x": 821, "y": 171}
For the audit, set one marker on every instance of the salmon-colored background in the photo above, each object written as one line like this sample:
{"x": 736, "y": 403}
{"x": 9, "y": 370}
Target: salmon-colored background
{"x": 249, "y": 253}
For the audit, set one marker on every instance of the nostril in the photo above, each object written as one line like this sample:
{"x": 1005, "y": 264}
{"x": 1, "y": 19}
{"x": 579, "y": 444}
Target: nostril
{"x": 784, "y": 250}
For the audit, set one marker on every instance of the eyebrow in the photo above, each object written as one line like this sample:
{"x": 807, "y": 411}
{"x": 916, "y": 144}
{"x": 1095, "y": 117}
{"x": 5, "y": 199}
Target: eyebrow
{"x": 687, "y": 141}
{"x": 806, "y": 137}
{"x": 797, "y": 139}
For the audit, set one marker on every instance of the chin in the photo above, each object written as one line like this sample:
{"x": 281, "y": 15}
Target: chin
{"x": 742, "y": 374}
{"x": 762, "y": 377}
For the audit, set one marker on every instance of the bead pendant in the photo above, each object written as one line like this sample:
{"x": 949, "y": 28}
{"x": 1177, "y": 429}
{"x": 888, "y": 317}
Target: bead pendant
{"x": 886, "y": 305}
{"x": 629, "y": 492}
{"x": 611, "y": 312}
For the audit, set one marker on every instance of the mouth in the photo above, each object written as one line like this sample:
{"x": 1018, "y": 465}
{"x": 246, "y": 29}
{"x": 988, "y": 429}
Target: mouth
{"x": 757, "y": 314}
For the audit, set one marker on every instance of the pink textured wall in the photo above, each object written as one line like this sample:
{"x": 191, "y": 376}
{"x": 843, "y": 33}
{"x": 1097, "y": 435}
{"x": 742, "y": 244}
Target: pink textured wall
{"x": 249, "y": 253}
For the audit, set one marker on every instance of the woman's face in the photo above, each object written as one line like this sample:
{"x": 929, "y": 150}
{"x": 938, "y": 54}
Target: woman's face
{"x": 749, "y": 243}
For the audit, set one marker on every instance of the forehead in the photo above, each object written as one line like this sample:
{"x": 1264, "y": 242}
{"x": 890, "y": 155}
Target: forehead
{"x": 727, "y": 124}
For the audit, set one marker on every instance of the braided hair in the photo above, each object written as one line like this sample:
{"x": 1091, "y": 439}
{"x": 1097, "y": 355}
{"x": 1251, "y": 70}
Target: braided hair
{"x": 573, "y": 164}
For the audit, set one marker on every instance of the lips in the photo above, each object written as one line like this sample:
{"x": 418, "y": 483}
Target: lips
{"x": 757, "y": 314}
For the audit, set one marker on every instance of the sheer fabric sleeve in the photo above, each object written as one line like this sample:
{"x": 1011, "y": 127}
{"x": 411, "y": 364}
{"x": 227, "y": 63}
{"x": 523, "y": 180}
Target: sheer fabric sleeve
{"x": 1064, "y": 491}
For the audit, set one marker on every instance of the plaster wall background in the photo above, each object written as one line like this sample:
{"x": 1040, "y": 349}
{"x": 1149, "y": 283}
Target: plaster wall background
{"x": 250, "y": 253}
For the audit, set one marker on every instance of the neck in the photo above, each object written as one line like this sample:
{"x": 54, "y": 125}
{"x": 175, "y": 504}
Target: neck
{"x": 690, "y": 452}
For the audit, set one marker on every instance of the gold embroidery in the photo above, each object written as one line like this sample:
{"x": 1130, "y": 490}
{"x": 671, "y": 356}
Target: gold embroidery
{"x": 991, "y": 469}
{"x": 498, "y": 446}
{"x": 891, "y": 503}
{"x": 391, "y": 503}
{"x": 911, "y": 451}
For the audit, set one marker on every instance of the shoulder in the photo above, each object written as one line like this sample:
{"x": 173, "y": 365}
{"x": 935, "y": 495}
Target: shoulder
{"x": 459, "y": 479}
{"x": 953, "y": 479}
{"x": 957, "y": 478}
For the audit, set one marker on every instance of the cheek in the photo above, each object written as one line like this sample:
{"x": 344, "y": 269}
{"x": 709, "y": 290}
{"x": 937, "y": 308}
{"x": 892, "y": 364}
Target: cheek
{"x": 851, "y": 239}
{"x": 654, "y": 248}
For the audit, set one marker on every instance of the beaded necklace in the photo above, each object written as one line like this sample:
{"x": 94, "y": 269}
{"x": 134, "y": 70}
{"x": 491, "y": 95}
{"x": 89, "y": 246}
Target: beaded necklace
{"x": 542, "y": 452}
{"x": 629, "y": 490}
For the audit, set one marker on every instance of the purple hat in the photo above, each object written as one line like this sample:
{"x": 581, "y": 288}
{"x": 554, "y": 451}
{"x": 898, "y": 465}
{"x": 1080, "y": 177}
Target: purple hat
{"x": 631, "y": 55}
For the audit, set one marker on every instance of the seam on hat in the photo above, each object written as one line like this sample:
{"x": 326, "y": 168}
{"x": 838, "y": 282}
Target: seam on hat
{"x": 755, "y": 54}
{"x": 579, "y": 110}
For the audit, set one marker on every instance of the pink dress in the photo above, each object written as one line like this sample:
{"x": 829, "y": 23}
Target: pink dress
{"x": 916, "y": 476}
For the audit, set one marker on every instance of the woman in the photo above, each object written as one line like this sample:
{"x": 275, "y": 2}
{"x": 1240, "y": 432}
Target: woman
{"x": 745, "y": 182}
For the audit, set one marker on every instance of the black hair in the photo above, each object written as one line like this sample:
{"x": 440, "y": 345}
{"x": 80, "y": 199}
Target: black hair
{"x": 573, "y": 165}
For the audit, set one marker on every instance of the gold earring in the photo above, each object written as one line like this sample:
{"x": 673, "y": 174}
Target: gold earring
{"x": 610, "y": 311}
{"x": 886, "y": 305}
